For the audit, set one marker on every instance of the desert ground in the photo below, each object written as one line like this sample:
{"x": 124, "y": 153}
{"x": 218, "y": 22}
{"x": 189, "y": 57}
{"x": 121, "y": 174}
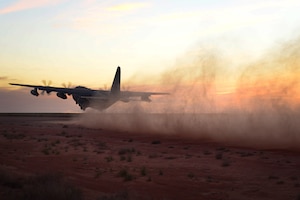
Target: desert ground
{"x": 46, "y": 156}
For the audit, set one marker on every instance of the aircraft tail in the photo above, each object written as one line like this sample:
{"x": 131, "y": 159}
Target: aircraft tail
{"x": 115, "y": 88}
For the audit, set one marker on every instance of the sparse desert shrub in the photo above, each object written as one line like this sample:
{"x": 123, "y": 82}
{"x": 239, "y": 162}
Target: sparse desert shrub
{"x": 63, "y": 133}
{"x": 98, "y": 174}
{"x": 14, "y": 136}
{"x": 66, "y": 149}
{"x": 160, "y": 172}
{"x": 53, "y": 144}
{"x": 273, "y": 177}
{"x": 122, "y": 151}
{"x": 125, "y": 175}
{"x": 170, "y": 157}
{"x": 246, "y": 154}
{"x": 206, "y": 152}
{"x": 129, "y": 159}
{"x": 220, "y": 148}
{"x": 76, "y": 143}
{"x": 102, "y": 145}
{"x": 118, "y": 196}
{"x": 209, "y": 179}
{"x": 294, "y": 178}
{"x": 280, "y": 182}
{"x": 154, "y": 155}
{"x": 225, "y": 163}
{"x": 109, "y": 158}
{"x": 122, "y": 173}
{"x": 46, "y": 151}
{"x": 126, "y": 150}
{"x": 265, "y": 157}
{"x": 219, "y": 156}
{"x": 143, "y": 171}
{"x": 191, "y": 175}
{"x": 155, "y": 142}
{"x": 122, "y": 158}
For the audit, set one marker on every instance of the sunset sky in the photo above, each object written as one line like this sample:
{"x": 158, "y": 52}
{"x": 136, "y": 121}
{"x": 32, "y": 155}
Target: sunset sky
{"x": 83, "y": 41}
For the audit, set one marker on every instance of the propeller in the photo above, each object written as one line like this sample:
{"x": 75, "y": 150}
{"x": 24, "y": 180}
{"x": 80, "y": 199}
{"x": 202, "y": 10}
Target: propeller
{"x": 67, "y": 86}
{"x": 46, "y": 84}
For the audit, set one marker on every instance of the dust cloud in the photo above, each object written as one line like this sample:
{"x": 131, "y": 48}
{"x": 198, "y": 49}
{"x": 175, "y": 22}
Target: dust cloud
{"x": 256, "y": 104}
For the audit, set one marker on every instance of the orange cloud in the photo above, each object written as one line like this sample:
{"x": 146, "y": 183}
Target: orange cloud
{"x": 27, "y": 4}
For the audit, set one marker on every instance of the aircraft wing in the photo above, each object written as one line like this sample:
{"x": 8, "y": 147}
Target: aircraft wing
{"x": 126, "y": 95}
{"x": 49, "y": 89}
{"x": 144, "y": 95}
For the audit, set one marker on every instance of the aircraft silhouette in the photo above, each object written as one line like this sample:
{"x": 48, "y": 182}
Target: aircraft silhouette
{"x": 97, "y": 99}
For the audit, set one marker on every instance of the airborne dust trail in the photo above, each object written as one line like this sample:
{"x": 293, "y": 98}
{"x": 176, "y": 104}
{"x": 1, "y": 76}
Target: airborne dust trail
{"x": 261, "y": 109}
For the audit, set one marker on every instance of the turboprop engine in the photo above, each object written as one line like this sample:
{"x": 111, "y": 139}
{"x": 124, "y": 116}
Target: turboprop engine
{"x": 34, "y": 92}
{"x": 61, "y": 95}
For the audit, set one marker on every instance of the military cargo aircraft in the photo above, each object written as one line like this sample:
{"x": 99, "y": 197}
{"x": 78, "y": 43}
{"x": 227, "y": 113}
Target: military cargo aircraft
{"x": 97, "y": 99}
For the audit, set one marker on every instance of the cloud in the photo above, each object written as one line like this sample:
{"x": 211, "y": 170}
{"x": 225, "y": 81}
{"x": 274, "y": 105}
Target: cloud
{"x": 127, "y": 6}
{"x": 27, "y": 4}
{"x": 228, "y": 17}
{"x": 2, "y": 78}
{"x": 107, "y": 18}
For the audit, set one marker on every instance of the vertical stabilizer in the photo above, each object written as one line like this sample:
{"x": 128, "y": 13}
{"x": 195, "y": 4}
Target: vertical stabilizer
{"x": 115, "y": 88}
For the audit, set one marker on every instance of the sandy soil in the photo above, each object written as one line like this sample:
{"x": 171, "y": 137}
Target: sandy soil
{"x": 121, "y": 165}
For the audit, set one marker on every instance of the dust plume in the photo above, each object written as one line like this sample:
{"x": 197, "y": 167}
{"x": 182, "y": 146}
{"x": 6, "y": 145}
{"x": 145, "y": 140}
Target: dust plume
{"x": 258, "y": 107}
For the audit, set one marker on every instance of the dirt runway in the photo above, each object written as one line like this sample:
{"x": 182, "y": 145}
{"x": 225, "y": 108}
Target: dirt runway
{"x": 105, "y": 164}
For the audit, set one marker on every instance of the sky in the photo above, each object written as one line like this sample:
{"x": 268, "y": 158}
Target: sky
{"x": 83, "y": 41}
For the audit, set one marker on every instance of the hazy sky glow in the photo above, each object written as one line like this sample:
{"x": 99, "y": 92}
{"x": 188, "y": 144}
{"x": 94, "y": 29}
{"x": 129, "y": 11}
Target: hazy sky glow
{"x": 83, "y": 41}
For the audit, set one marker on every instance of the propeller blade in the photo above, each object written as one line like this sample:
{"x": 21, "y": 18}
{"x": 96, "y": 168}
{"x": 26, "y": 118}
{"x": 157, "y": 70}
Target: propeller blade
{"x": 67, "y": 86}
{"x": 45, "y": 83}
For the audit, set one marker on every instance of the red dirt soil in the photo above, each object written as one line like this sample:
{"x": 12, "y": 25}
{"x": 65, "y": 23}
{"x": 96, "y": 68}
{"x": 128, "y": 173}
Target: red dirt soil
{"x": 104, "y": 164}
